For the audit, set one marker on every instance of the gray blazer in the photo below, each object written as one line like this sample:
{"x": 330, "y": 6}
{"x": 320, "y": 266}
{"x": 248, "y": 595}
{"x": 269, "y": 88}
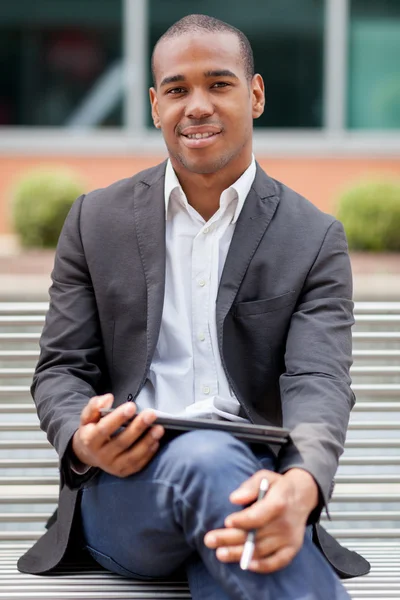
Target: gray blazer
{"x": 283, "y": 311}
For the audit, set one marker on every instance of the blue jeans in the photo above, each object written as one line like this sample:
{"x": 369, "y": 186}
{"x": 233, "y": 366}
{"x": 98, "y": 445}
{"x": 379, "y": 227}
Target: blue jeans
{"x": 150, "y": 524}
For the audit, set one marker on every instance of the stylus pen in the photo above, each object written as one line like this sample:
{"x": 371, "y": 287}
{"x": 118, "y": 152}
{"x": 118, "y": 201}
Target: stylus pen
{"x": 248, "y": 549}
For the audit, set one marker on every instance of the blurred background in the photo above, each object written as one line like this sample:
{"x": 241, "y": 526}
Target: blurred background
{"x": 74, "y": 116}
{"x": 74, "y": 79}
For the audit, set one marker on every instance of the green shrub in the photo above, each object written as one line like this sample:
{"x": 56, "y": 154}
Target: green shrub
{"x": 370, "y": 213}
{"x": 41, "y": 201}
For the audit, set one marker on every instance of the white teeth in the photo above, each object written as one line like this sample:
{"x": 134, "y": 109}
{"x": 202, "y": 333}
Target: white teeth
{"x": 199, "y": 136}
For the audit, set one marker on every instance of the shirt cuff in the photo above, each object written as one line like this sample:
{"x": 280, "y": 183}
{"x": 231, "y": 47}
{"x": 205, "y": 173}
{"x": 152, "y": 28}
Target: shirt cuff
{"x": 75, "y": 473}
{"x": 78, "y": 467}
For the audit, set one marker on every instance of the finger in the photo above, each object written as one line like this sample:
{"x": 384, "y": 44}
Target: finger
{"x": 108, "y": 425}
{"x": 224, "y": 537}
{"x": 248, "y": 491}
{"x": 269, "y": 545}
{"x": 230, "y": 554}
{"x": 279, "y": 560}
{"x": 135, "y": 459}
{"x": 269, "y": 540}
{"x": 234, "y": 536}
{"x": 135, "y": 430}
{"x": 261, "y": 513}
{"x": 136, "y": 448}
{"x": 254, "y": 517}
{"x": 90, "y": 413}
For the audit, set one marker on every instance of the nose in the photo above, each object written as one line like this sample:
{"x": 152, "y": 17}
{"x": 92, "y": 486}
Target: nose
{"x": 199, "y": 105}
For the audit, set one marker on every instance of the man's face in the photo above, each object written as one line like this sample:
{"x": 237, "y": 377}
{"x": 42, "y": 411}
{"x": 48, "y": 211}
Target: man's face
{"x": 203, "y": 102}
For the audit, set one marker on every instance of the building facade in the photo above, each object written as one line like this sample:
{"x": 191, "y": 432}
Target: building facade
{"x": 75, "y": 76}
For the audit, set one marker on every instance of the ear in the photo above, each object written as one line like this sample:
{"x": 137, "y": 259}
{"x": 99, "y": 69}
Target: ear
{"x": 258, "y": 96}
{"x": 154, "y": 108}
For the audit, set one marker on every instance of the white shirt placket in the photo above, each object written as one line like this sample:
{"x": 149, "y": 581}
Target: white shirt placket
{"x": 205, "y": 372}
{"x": 205, "y": 280}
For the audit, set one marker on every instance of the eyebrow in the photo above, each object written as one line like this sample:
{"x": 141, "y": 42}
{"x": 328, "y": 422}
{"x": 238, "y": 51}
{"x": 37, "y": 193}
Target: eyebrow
{"x": 221, "y": 73}
{"x": 216, "y": 73}
{"x": 172, "y": 79}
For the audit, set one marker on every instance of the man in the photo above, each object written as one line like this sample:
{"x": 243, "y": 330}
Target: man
{"x": 200, "y": 287}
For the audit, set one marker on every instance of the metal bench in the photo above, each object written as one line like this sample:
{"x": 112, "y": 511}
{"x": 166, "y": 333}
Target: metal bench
{"x": 365, "y": 506}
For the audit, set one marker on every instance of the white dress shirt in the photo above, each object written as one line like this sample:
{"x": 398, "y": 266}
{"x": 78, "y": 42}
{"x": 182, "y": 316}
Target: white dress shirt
{"x": 186, "y": 377}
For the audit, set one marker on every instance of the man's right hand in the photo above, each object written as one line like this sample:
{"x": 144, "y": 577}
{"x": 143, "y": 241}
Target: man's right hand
{"x": 123, "y": 454}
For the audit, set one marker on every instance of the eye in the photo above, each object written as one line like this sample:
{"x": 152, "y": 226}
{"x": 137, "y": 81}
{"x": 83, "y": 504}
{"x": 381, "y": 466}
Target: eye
{"x": 177, "y": 90}
{"x": 220, "y": 84}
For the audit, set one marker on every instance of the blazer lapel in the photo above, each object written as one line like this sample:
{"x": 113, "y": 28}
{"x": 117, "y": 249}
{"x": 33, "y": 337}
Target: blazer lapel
{"x": 256, "y": 215}
{"x": 149, "y": 211}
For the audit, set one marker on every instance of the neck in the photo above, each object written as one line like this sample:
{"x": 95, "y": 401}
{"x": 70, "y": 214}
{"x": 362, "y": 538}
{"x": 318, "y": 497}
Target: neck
{"x": 203, "y": 191}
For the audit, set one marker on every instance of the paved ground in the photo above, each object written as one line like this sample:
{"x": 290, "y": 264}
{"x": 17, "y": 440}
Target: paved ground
{"x": 26, "y": 275}
{"x": 376, "y": 276}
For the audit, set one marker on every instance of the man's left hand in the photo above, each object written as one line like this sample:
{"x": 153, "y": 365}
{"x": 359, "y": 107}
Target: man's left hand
{"x": 280, "y": 520}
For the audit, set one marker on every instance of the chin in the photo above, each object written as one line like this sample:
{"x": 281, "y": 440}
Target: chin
{"x": 204, "y": 166}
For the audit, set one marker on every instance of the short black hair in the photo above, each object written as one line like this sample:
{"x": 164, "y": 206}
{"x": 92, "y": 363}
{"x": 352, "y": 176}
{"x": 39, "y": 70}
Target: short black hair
{"x": 196, "y": 23}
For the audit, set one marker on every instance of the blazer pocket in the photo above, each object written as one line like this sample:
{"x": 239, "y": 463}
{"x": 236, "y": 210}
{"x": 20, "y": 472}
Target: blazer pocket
{"x": 258, "y": 307}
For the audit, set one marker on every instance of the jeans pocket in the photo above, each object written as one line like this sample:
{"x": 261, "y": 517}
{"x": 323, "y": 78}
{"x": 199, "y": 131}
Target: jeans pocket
{"x": 112, "y": 565}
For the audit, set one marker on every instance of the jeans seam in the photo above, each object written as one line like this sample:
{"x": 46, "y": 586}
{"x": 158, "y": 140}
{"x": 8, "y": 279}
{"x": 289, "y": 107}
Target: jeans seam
{"x": 128, "y": 572}
{"x": 188, "y": 505}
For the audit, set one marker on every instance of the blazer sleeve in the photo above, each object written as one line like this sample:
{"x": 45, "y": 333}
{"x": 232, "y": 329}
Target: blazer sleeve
{"x": 71, "y": 365}
{"x": 315, "y": 388}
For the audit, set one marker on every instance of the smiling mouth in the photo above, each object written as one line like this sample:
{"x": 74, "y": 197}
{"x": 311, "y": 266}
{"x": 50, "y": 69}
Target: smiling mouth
{"x": 199, "y": 136}
{"x": 197, "y": 140}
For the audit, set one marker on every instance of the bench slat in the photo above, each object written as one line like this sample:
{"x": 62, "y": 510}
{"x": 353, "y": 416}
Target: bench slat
{"x": 353, "y": 426}
{"x": 393, "y": 443}
{"x": 362, "y": 370}
{"x": 23, "y": 517}
{"x": 43, "y": 463}
{"x": 339, "y": 479}
{"x": 29, "y": 407}
{"x": 29, "y": 320}
{"x": 370, "y": 389}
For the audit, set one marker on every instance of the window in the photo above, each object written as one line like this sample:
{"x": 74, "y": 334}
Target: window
{"x": 61, "y": 63}
{"x": 287, "y": 41}
{"x": 374, "y": 67}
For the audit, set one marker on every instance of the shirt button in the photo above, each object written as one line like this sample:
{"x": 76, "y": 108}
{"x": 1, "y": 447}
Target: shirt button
{"x": 202, "y": 337}
{"x": 206, "y": 230}
{"x": 202, "y": 283}
{"x": 206, "y": 389}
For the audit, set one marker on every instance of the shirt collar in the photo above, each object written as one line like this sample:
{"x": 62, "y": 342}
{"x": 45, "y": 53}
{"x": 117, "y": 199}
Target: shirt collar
{"x": 241, "y": 187}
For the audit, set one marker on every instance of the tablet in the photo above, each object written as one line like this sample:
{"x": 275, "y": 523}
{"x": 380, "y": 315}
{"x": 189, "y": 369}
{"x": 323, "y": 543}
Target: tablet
{"x": 247, "y": 432}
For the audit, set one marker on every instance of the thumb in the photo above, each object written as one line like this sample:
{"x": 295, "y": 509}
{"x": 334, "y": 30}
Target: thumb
{"x": 248, "y": 491}
{"x": 91, "y": 412}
